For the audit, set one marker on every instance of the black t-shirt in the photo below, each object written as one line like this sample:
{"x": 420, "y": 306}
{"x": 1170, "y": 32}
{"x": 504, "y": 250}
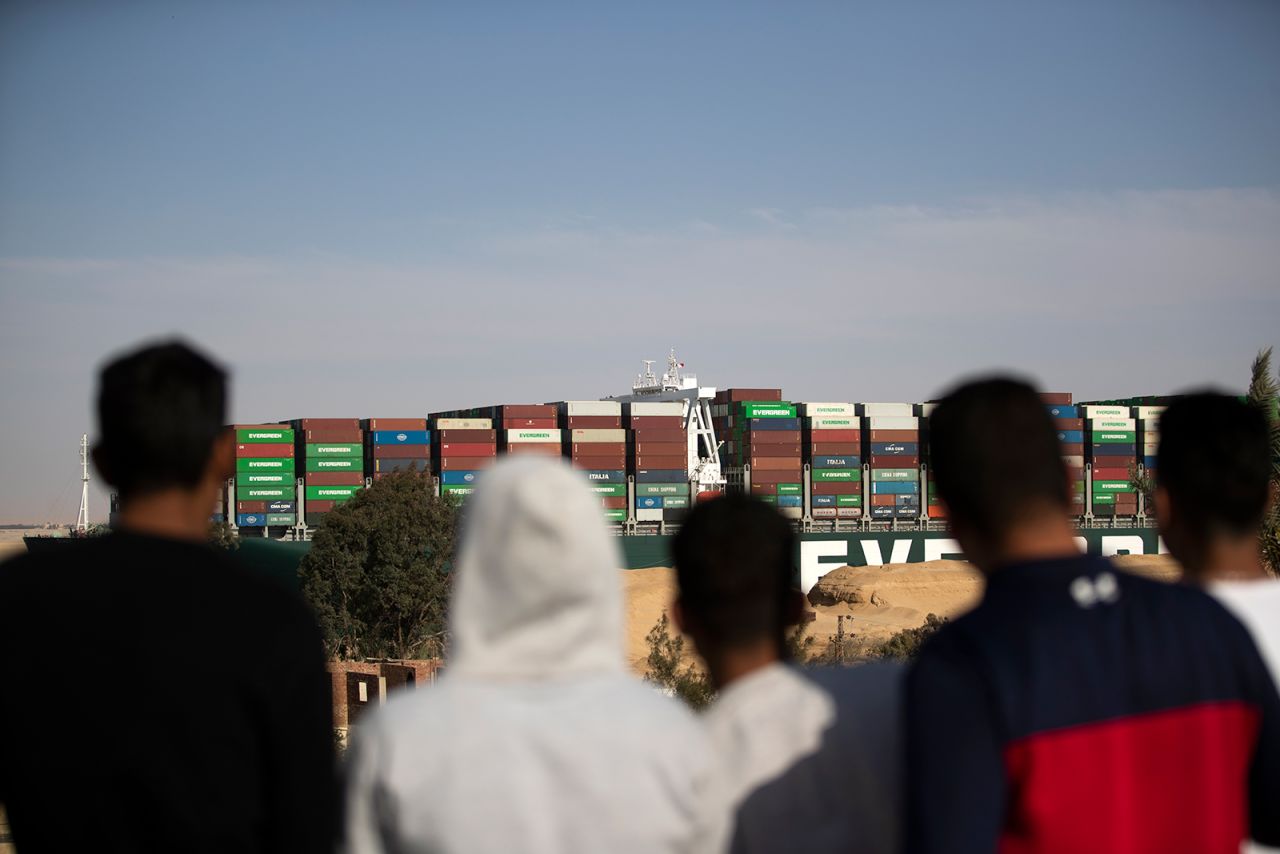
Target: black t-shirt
{"x": 155, "y": 696}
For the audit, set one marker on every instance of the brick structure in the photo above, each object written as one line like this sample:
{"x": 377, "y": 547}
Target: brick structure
{"x": 356, "y": 685}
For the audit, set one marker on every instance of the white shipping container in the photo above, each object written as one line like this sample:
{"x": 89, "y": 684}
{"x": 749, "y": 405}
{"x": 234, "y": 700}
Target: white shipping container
{"x": 851, "y": 423}
{"x": 1149, "y": 449}
{"x": 888, "y": 410}
{"x": 1152, "y": 412}
{"x": 896, "y": 422}
{"x": 464, "y": 423}
{"x": 1074, "y": 462}
{"x": 849, "y": 512}
{"x": 606, "y": 408}
{"x": 926, "y": 409}
{"x": 599, "y": 435}
{"x": 648, "y": 515}
{"x": 658, "y": 407}
{"x": 824, "y": 512}
{"x": 827, "y": 410}
{"x": 791, "y": 512}
{"x": 550, "y": 437}
{"x": 1123, "y": 424}
{"x": 1106, "y": 411}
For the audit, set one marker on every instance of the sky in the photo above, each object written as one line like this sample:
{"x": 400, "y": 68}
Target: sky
{"x": 388, "y": 209}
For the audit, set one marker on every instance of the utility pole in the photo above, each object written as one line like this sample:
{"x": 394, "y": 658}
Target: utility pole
{"x": 82, "y": 519}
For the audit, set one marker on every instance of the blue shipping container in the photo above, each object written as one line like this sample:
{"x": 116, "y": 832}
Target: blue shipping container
{"x": 906, "y": 512}
{"x": 251, "y": 520}
{"x": 649, "y": 502}
{"x": 607, "y": 476}
{"x": 790, "y": 501}
{"x": 216, "y": 517}
{"x": 662, "y": 476}
{"x": 888, "y": 487}
{"x": 1109, "y": 450}
{"x": 894, "y": 449}
{"x": 850, "y": 462}
{"x": 401, "y": 437}
{"x": 906, "y": 500}
{"x": 458, "y": 477}
{"x": 883, "y": 512}
{"x": 1063, "y": 411}
{"x": 1071, "y": 437}
{"x": 773, "y": 424}
{"x": 823, "y": 500}
{"x": 1149, "y": 462}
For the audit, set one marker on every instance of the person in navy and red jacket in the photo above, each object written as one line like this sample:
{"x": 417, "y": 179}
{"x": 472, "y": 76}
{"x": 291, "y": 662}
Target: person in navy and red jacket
{"x": 1077, "y": 708}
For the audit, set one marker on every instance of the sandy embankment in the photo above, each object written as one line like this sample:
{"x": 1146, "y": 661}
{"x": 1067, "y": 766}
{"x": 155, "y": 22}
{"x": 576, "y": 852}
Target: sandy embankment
{"x": 885, "y": 599}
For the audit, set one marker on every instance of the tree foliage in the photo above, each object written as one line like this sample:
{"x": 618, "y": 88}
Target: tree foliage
{"x": 663, "y": 667}
{"x": 906, "y": 644}
{"x": 1264, "y": 392}
{"x": 377, "y": 573}
{"x": 222, "y": 536}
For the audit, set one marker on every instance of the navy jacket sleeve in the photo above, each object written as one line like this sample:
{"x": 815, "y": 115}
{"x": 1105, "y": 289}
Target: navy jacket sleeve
{"x": 1264, "y": 773}
{"x": 956, "y": 787}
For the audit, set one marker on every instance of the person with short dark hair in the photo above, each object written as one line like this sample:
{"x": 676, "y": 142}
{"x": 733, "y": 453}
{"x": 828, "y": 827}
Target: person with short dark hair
{"x": 1213, "y": 471}
{"x": 154, "y": 695}
{"x": 1076, "y": 708}
{"x": 808, "y": 759}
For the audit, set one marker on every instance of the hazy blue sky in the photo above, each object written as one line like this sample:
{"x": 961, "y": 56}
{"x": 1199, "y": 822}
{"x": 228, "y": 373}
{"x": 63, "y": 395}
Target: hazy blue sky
{"x": 383, "y": 209}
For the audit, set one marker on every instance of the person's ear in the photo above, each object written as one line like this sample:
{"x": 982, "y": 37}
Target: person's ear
{"x": 793, "y": 613}
{"x": 222, "y": 461}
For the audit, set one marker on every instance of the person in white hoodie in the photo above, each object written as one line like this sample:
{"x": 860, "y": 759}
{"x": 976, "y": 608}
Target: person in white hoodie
{"x": 809, "y": 759}
{"x": 536, "y": 739}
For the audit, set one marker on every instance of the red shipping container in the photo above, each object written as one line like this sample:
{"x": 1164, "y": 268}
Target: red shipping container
{"x": 467, "y": 449}
{"x": 1069, "y": 423}
{"x": 1111, "y": 474}
{"x": 781, "y": 463}
{"x": 468, "y": 435}
{"x": 397, "y": 424}
{"x": 736, "y": 395}
{"x": 334, "y": 478}
{"x": 465, "y": 463}
{"x": 835, "y": 435}
{"x": 598, "y": 449}
{"x": 662, "y": 449}
{"x": 401, "y": 452}
{"x": 533, "y": 449}
{"x": 894, "y": 435}
{"x": 330, "y": 424}
{"x": 273, "y": 450}
{"x": 593, "y": 422}
{"x": 659, "y": 434}
{"x": 904, "y": 461}
{"x": 936, "y": 512}
{"x": 665, "y": 422}
{"x": 613, "y": 463}
{"x": 529, "y": 424}
{"x": 615, "y": 503}
{"x": 528, "y": 410}
{"x": 836, "y": 488}
{"x": 835, "y": 449}
{"x": 775, "y": 476}
{"x": 320, "y": 506}
{"x": 1073, "y": 450}
{"x": 755, "y": 450}
{"x": 764, "y": 488}
{"x": 671, "y": 463}
{"x": 337, "y": 437}
{"x": 1056, "y": 398}
{"x": 772, "y": 437}
{"x": 883, "y": 500}
{"x": 251, "y": 506}
{"x": 379, "y": 475}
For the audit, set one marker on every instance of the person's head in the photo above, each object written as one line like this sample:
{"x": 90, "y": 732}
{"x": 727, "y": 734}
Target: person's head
{"x": 536, "y": 591}
{"x": 997, "y": 465}
{"x": 736, "y": 576}
{"x": 161, "y": 416}
{"x": 1213, "y": 474}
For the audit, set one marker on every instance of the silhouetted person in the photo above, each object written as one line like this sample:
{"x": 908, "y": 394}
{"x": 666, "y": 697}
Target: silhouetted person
{"x": 154, "y": 695}
{"x": 536, "y": 739}
{"x": 809, "y": 760}
{"x": 1076, "y": 708}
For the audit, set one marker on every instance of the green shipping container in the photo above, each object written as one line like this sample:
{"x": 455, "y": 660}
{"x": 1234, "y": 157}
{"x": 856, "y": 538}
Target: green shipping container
{"x": 281, "y": 518}
{"x": 790, "y": 489}
{"x": 1104, "y": 498}
{"x": 674, "y": 502}
{"x": 765, "y": 410}
{"x": 1112, "y": 486}
{"x": 609, "y": 490}
{"x": 1112, "y": 437}
{"x": 264, "y": 478}
{"x": 460, "y": 489}
{"x": 264, "y": 493}
{"x": 615, "y": 515}
{"x": 646, "y": 490}
{"x": 895, "y": 474}
{"x": 330, "y": 449}
{"x": 839, "y": 475}
{"x": 264, "y": 464}
{"x": 264, "y": 436}
{"x": 848, "y": 500}
{"x": 768, "y": 499}
{"x": 335, "y": 464}
{"x": 331, "y": 493}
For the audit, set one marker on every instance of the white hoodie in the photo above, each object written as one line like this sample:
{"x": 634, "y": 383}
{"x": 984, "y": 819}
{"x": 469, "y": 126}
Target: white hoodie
{"x": 536, "y": 739}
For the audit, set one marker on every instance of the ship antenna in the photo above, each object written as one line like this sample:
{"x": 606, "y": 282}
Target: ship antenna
{"x": 82, "y": 519}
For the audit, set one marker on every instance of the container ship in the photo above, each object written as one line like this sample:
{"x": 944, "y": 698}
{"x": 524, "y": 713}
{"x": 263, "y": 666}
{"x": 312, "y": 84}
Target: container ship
{"x": 853, "y": 476}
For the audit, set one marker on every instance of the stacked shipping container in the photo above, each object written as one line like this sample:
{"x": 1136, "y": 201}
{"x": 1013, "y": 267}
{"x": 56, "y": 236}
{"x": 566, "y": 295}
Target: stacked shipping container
{"x": 1113, "y": 437}
{"x": 1149, "y": 435}
{"x": 264, "y": 484}
{"x": 331, "y": 454}
{"x": 1069, "y": 423}
{"x": 609, "y": 481}
{"x": 893, "y": 439}
{"x": 831, "y": 443}
{"x": 465, "y": 445}
{"x": 396, "y": 444}
{"x": 658, "y": 457}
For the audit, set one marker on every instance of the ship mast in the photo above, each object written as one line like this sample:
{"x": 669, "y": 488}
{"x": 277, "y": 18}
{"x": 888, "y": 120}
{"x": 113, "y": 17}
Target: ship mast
{"x": 82, "y": 519}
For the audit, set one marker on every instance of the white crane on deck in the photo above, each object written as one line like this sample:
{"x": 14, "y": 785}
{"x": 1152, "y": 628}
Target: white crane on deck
{"x": 704, "y": 448}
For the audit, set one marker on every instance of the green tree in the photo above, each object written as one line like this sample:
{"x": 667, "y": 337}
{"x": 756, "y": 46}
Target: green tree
{"x": 1264, "y": 392}
{"x": 223, "y": 536}
{"x": 905, "y": 645}
{"x": 663, "y": 667}
{"x": 377, "y": 573}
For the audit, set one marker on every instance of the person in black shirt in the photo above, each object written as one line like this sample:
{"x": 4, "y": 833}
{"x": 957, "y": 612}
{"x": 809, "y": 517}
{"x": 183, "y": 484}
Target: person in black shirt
{"x": 154, "y": 695}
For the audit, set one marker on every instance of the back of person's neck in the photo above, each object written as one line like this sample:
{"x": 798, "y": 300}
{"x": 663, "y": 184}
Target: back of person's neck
{"x": 1046, "y": 536}
{"x": 1227, "y": 558}
{"x": 173, "y": 514}
{"x": 730, "y": 664}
